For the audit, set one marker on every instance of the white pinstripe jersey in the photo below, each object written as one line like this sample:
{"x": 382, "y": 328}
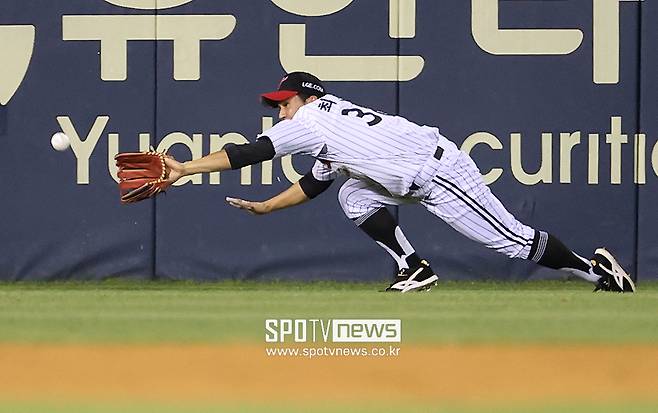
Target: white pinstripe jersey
{"x": 358, "y": 142}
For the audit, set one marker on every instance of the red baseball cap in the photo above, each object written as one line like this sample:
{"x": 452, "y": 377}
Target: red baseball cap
{"x": 292, "y": 84}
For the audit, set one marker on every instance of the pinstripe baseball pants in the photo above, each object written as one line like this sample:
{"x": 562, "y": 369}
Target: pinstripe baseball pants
{"x": 457, "y": 194}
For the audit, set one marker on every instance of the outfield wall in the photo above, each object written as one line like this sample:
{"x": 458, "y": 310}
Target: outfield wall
{"x": 556, "y": 102}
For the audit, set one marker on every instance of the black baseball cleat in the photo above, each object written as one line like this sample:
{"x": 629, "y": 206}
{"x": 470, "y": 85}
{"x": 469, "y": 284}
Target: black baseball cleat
{"x": 420, "y": 278}
{"x": 613, "y": 277}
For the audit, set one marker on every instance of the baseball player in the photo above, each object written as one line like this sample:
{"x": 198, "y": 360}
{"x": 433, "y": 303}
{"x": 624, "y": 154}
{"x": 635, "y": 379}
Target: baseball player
{"x": 389, "y": 160}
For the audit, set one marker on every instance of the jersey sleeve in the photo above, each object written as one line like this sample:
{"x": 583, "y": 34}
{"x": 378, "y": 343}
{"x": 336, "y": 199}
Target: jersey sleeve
{"x": 291, "y": 137}
{"x": 322, "y": 172}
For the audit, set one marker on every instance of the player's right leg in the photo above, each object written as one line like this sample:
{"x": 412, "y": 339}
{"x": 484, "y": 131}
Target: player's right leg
{"x": 365, "y": 204}
{"x": 459, "y": 196}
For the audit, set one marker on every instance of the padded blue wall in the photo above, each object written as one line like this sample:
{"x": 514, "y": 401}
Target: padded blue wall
{"x": 61, "y": 218}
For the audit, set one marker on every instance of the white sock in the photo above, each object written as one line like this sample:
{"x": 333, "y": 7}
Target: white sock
{"x": 406, "y": 247}
{"x": 589, "y": 276}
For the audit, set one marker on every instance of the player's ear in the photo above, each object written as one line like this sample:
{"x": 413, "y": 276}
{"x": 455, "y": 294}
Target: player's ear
{"x": 310, "y": 99}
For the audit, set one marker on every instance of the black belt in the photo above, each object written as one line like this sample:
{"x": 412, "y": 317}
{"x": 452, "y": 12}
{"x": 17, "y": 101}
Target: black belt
{"x": 437, "y": 155}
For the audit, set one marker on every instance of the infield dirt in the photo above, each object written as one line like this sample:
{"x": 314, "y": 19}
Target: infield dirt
{"x": 244, "y": 373}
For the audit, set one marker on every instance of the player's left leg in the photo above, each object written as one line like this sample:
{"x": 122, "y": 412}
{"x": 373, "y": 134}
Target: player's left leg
{"x": 365, "y": 204}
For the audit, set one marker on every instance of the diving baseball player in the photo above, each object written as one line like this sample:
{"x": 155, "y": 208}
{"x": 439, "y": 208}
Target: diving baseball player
{"x": 389, "y": 160}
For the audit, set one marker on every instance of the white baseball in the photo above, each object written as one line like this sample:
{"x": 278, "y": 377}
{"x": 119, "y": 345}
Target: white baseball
{"x": 60, "y": 141}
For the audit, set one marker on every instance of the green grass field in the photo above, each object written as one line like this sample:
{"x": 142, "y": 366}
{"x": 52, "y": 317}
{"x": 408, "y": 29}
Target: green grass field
{"x": 127, "y": 312}
{"x": 638, "y": 407}
{"x": 455, "y": 312}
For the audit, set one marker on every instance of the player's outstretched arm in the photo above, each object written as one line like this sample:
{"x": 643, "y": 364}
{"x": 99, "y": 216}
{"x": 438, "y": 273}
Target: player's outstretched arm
{"x": 214, "y": 162}
{"x": 232, "y": 157}
{"x": 292, "y": 196}
{"x": 308, "y": 187}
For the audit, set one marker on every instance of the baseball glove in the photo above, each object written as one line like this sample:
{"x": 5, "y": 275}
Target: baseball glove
{"x": 141, "y": 175}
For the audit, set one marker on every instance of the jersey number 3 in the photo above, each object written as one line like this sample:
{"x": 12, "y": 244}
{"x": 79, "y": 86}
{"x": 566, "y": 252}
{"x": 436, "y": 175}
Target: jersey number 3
{"x": 360, "y": 114}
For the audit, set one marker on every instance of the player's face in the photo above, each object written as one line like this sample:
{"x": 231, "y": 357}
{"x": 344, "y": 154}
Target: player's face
{"x": 289, "y": 107}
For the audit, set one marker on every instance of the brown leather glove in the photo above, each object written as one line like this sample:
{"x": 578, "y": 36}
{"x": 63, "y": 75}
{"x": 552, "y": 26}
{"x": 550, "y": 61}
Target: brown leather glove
{"x": 141, "y": 175}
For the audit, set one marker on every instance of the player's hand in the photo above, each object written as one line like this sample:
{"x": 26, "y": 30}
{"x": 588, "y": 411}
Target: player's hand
{"x": 256, "y": 208}
{"x": 176, "y": 170}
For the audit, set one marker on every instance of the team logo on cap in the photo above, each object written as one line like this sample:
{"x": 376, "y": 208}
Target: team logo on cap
{"x": 310, "y": 85}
